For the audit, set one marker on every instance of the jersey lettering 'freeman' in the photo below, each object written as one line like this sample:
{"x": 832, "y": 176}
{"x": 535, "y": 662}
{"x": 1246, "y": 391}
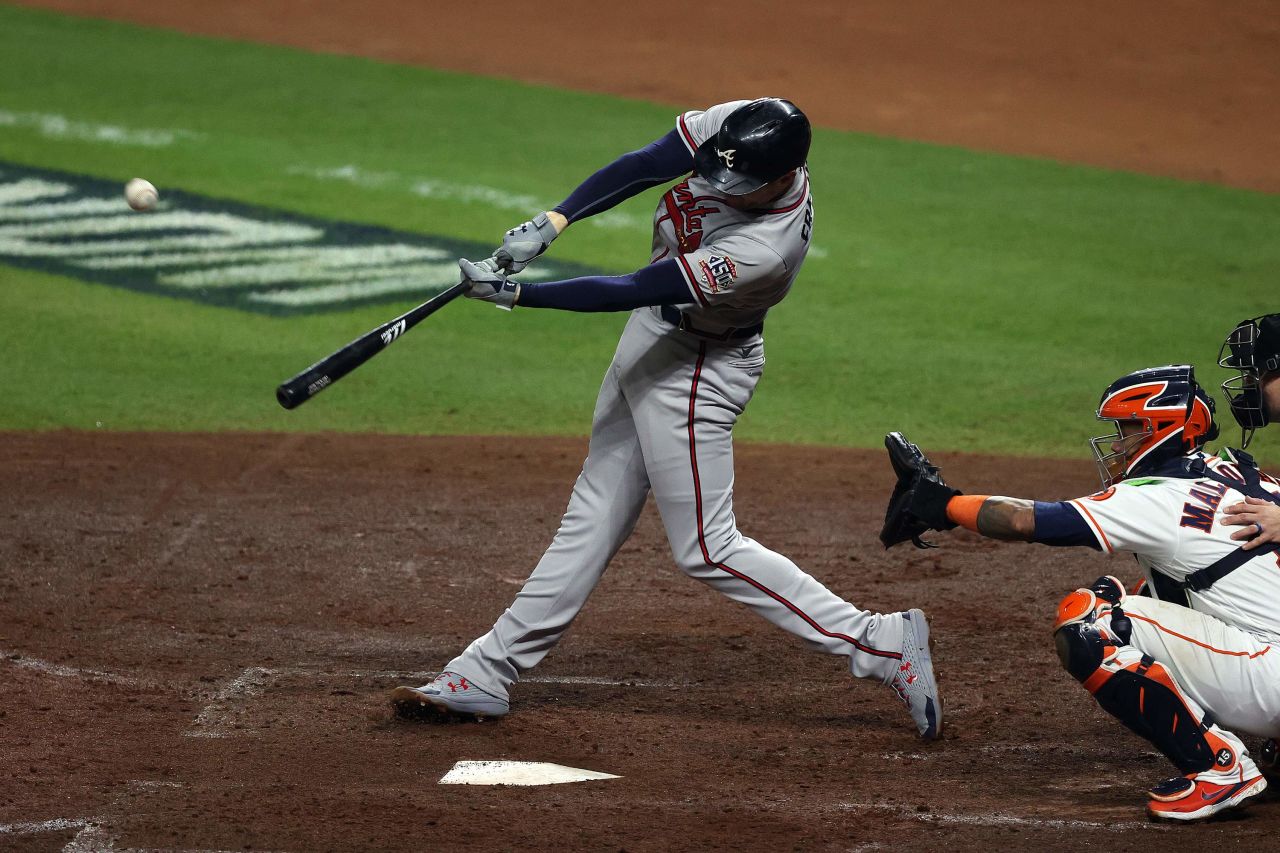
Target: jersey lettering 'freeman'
{"x": 1201, "y": 517}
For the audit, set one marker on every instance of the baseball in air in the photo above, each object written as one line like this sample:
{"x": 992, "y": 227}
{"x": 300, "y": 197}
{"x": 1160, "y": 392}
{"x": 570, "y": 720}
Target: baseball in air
{"x": 141, "y": 194}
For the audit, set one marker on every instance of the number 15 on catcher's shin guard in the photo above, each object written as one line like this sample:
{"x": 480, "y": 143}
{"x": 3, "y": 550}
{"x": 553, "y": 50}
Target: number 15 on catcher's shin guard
{"x": 1140, "y": 692}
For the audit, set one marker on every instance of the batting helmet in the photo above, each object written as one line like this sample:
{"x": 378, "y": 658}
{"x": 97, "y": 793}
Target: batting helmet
{"x": 1175, "y": 413}
{"x": 757, "y": 143}
{"x": 1252, "y": 349}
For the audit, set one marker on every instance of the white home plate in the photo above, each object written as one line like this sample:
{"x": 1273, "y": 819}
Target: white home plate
{"x": 517, "y": 773}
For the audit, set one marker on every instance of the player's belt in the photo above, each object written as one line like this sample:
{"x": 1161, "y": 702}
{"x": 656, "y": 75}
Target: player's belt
{"x": 680, "y": 320}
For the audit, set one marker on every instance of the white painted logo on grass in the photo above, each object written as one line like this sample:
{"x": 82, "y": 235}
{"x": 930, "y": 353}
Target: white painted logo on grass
{"x": 523, "y": 773}
{"x": 54, "y": 126}
{"x": 220, "y": 252}
{"x": 435, "y": 188}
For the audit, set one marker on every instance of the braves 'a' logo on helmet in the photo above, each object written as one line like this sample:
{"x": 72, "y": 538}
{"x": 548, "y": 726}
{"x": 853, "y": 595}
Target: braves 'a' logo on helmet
{"x": 1161, "y": 413}
{"x": 757, "y": 143}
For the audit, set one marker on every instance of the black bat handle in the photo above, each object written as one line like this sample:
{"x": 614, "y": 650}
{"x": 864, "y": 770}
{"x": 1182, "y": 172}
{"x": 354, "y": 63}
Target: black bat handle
{"x": 319, "y": 376}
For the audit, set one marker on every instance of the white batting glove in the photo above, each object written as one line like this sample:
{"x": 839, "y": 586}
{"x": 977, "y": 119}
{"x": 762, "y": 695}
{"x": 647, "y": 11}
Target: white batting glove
{"x": 489, "y": 283}
{"x": 525, "y": 242}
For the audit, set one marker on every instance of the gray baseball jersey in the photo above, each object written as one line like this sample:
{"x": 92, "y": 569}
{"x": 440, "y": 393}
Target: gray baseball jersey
{"x": 663, "y": 424}
{"x": 738, "y": 264}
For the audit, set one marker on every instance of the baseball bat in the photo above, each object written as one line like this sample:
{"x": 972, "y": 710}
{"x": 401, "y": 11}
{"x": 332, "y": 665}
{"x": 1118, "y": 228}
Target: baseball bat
{"x": 319, "y": 376}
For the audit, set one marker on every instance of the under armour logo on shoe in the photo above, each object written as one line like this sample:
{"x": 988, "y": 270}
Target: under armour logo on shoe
{"x": 461, "y": 685}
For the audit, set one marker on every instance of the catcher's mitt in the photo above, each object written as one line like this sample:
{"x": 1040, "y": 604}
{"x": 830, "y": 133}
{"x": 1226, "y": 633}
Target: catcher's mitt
{"x": 919, "y": 500}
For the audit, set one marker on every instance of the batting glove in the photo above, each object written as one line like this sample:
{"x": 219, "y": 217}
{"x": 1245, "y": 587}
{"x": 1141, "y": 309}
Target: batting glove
{"x": 489, "y": 284}
{"x": 524, "y": 243}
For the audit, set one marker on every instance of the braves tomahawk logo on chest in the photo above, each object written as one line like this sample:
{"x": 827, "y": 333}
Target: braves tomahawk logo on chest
{"x": 685, "y": 212}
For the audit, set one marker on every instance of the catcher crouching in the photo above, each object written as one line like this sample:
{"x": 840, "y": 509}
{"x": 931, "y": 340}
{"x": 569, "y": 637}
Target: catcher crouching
{"x": 1188, "y": 664}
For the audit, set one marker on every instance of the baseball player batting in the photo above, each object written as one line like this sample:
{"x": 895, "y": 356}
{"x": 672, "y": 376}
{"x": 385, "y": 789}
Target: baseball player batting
{"x": 1190, "y": 664}
{"x": 728, "y": 243}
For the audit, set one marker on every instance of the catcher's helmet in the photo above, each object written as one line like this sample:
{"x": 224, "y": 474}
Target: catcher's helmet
{"x": 758, "y": 142}
{"x": 1253, "y": 349}
{"x": 1175, "y": 413}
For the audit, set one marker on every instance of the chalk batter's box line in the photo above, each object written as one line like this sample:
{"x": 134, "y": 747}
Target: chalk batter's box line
{"x": 235, "y": 695}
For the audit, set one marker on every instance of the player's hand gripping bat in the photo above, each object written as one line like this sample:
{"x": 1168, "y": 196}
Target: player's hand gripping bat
{"x": 319, "y": 376}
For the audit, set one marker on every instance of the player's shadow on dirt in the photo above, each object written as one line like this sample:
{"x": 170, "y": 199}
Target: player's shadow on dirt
{"x": 696, "y": 703}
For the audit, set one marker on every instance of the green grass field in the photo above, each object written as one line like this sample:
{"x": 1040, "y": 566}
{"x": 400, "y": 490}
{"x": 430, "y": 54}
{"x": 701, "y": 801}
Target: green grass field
{"x": 978, "y": 302}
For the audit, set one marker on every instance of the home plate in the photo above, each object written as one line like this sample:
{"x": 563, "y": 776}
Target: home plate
{"x": 517, "y": 773}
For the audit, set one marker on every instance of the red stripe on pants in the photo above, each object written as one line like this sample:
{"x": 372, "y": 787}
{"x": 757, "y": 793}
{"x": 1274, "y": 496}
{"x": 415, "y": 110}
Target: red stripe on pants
{"x": 702, "y": 540}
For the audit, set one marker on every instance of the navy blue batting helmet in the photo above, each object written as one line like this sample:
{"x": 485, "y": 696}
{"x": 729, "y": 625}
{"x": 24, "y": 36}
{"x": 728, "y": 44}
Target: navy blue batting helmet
{"x": 757, "y": 143}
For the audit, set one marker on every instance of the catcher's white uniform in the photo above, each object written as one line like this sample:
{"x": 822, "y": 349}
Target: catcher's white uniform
{"x": 1223, "y": 647}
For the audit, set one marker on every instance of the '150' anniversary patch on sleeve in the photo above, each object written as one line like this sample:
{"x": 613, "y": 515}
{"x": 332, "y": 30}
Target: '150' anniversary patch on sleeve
{"x": 719, "y": 272}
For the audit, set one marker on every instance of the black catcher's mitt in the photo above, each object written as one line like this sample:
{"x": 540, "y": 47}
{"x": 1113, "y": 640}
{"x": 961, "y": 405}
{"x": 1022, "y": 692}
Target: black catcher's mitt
{"x": 919, "y": 500}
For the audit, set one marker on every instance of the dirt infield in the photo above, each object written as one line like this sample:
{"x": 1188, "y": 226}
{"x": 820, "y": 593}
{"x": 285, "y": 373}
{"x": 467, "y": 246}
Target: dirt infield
{"x": 1171, "y": 87}
{"x": 197, "y": 633}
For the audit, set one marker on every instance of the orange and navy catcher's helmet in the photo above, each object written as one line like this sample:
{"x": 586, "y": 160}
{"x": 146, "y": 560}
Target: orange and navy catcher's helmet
{"x": 1160, "y": 413}
{"x": 1253, "y": 350}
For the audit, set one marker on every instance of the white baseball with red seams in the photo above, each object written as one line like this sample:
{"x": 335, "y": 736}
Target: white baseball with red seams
{"x": 663, "y": 424}
{"x": 141, "y": 194}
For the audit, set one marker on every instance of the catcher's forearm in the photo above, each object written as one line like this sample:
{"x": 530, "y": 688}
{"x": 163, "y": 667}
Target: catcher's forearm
{"x": 997, "y": 517}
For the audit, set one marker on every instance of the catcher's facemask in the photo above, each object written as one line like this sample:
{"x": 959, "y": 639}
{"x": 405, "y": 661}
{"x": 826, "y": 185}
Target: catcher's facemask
{"x": 1112, "y": 452}
{"x": 1241, "y": 351}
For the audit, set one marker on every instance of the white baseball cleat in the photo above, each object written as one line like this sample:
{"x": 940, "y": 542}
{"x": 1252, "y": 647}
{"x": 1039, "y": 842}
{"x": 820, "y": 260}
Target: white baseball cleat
{"x": 914, "y": 681}
{"x": 446, "y": 697}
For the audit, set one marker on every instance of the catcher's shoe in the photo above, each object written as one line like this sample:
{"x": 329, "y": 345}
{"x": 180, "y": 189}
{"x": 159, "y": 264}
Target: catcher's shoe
{"x": 1201, "y": 795}
{"x": 448, "y": 696}
{"x": 913, "y": 680}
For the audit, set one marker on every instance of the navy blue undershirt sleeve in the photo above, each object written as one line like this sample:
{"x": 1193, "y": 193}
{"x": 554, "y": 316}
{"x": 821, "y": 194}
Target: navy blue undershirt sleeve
{"x": 1059, "y": 523}
{"x": 657, "y": 284}
{"x": 631, "y": 174}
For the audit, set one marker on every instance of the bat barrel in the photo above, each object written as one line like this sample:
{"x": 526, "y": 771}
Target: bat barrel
{"x": 294, "y": 392}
